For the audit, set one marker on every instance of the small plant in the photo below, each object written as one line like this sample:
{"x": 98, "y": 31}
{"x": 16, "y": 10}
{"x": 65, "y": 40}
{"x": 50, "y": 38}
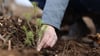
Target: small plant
{"x": 29, "y": 36}
{"x": 33, "y": 37}
{"x": 35, "y": 8}
{"x": 38, "y": 26}
{"x": 39, "y": 29}
{"x": 29, "y": 40}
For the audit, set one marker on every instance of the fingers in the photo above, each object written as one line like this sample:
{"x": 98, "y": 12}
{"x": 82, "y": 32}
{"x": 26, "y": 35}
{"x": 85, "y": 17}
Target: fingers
{"x": 53, "y": 43}
{"x": 49, "y": 39}
{"x": 42, "y": 43}
{"x": 54, "y": 40}
{"x": 48, "y": 43}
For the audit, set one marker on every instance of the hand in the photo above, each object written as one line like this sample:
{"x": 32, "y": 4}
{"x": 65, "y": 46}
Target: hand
{"x": 49, "y": 38}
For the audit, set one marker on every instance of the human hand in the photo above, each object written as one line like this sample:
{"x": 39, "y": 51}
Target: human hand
{"x": 49, "y": 38}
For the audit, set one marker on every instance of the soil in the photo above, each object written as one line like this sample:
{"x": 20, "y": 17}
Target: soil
{"x": 12, "y": 42}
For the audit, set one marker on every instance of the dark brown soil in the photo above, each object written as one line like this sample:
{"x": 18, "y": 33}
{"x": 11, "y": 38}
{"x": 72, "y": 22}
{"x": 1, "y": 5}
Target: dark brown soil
{"x": 10, "y": 29}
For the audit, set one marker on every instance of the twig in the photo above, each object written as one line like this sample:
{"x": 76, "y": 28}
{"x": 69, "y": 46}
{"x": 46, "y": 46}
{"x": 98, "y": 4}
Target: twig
{"x": 2, "y": 37}
{"x": 9, "y": 45}
{"x": 29, "y": 25}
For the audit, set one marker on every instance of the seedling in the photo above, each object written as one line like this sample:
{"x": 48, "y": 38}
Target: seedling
{"x": 29, "y": 40}
{"x": 35, "y": 8}
{"x": 29, "y": 36}
{"x": 39, "y": 30}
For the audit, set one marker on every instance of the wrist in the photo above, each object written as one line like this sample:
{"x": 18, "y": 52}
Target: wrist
{"x": 49, "y": 26}
{"x": 52, "y": 28}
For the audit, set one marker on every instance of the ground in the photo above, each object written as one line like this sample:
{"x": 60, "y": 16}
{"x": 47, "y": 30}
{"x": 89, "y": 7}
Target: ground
{"x": 12, "y": 38}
